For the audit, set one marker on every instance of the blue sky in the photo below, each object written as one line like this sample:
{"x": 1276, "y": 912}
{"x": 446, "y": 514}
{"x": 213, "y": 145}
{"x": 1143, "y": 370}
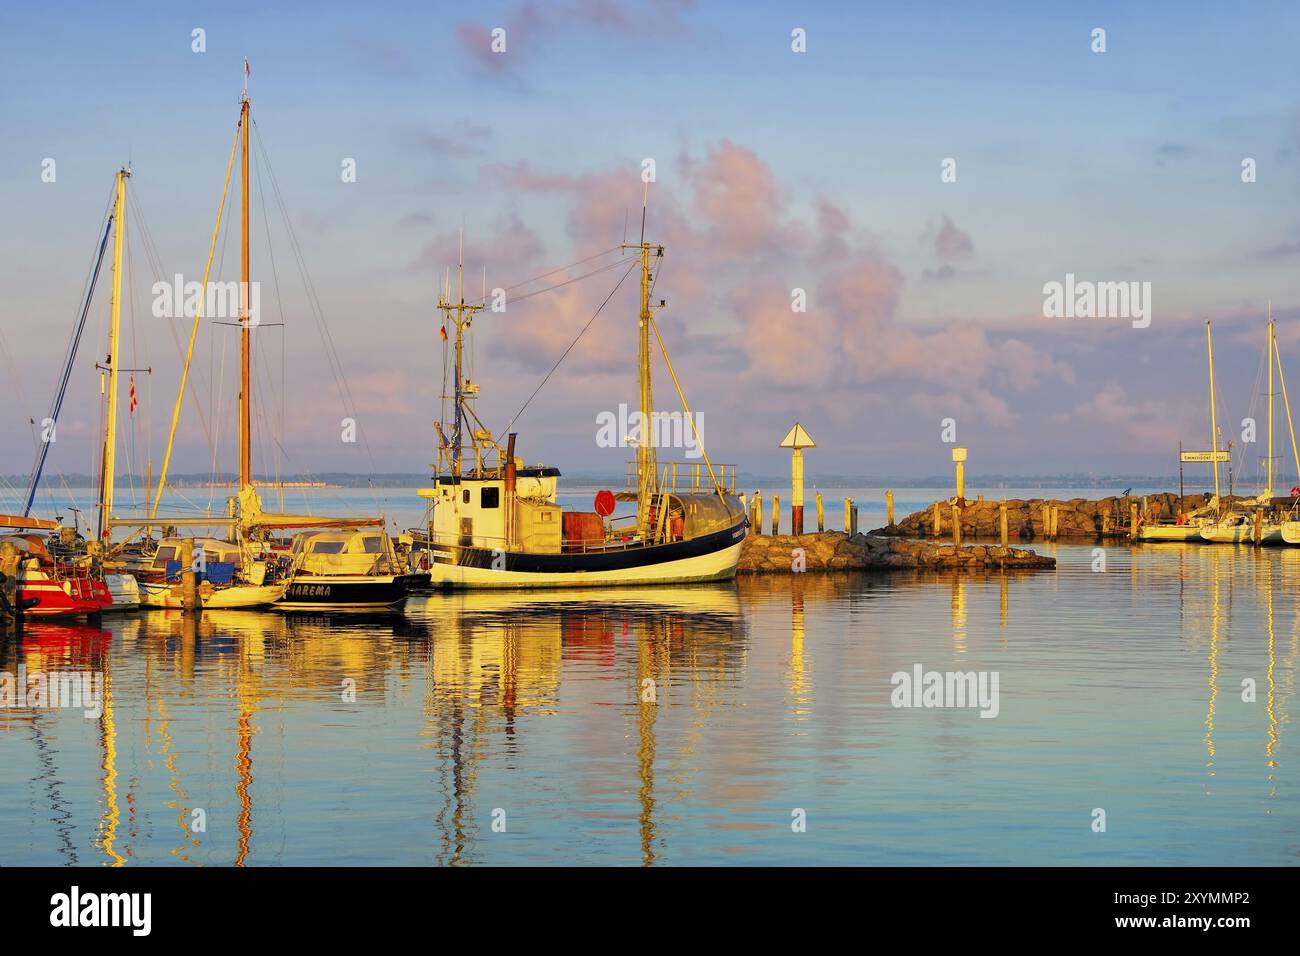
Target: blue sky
{"x": 1119, "y": 166}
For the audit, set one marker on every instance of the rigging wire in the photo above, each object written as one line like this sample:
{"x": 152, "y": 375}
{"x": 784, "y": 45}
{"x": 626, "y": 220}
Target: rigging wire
{"x": 566, "y": 352}
{"x": 318, "y": 312}
{"x": 70, "y": 355}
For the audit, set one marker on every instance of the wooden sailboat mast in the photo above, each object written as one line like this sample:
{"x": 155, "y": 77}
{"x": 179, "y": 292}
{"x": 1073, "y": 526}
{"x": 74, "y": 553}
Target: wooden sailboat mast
{"x": 245, "y": 337}
{"x": 109, "y": 458}
{"x": 1214, "y": 422}
{"x": 1268, "y": 491}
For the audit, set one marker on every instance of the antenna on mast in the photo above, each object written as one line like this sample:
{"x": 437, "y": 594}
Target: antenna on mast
{"x": 645, "y": 201}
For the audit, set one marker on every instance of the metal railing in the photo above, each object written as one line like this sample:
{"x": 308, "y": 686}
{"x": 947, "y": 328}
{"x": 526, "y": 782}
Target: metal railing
{"x": 685, "y": 477}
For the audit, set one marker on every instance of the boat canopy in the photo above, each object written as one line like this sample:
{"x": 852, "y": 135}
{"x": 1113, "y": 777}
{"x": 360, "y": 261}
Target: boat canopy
{"x": 342, "y": 552}
{"x": 707, "y": 513}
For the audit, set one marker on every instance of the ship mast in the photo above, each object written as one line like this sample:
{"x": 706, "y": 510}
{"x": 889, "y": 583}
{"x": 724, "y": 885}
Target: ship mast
{"x": 1269, "y": 490}
{"x": 109, "y": 459}
{"x": 1214, "y": 422}
{"x": 461, "y": 317}
{"x": 647, "y": 465}
{"x": 245, "y": 336}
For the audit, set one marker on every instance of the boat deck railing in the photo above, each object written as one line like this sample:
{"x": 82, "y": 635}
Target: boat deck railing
{"x": 686, "y": 477}
{"x": 620, "y": 535}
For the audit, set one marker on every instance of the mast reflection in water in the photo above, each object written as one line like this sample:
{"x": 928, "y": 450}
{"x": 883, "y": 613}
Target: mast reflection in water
{"x": 682, "y": 725}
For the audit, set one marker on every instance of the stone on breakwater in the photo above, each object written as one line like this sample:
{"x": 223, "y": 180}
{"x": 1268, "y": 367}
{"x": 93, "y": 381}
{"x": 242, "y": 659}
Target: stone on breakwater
{"x": 1077, "y": 517}
{"x": 836, "y": 551}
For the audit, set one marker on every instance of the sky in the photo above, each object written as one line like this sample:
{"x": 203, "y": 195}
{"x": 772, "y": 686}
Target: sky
{"x": 775, "y": 170}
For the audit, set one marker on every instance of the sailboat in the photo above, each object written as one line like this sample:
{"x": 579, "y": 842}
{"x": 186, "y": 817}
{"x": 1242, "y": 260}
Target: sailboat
{"x": 1187, "y": 527}
{"x": 250, "y": 582}
{"x": 64, "y": 562}
{"x": 493, "y": 521}
{"x": 1238, "y": 527}
{"x": 254, "y": 569}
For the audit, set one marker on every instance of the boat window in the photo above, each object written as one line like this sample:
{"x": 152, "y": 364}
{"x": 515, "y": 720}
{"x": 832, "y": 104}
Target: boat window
{"x": 372, "y": 544}
{"x": 163, "y": 556}
{"x": 490, "y": 498}
{"x": 465, "y": 496}
{"x": 327, "y": 547}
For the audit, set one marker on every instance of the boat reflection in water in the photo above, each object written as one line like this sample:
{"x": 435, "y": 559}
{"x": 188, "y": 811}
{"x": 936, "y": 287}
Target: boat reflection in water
{"x": 675, "y": 724}
{"x": 495, "y": 655}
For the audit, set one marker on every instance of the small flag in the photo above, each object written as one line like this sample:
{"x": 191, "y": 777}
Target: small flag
{"x": 443, "y": 332}
{"x": 133, "y": 401}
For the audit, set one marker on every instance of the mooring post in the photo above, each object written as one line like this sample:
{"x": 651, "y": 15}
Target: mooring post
{"x": 936, "y": 520}
{"x": 1133, "y": 523}
{"x": 889, "y": 508}
{"x": 1056, "y": 521}
{"x": 850, "y": 517}
{"x": 776, "y": 515}
{"x": 821, "y": 513}
{"x": 189, "y": 578}
{"x": 1259, "y": 527}
{"x": 1002, "y": 515}
{"x": 757, "y": 522}
{"x": 956, "y": 525}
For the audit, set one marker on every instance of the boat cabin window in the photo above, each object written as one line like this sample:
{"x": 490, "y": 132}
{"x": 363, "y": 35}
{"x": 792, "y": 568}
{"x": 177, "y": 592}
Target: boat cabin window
{"x": 372, "y": 544}
{"x": 163, "y": 556}
{"x": 327, "y": 547}
{"x": 490, "y": 498}
{"x": 465, "y": 496}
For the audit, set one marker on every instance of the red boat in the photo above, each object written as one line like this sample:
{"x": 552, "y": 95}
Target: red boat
{"x": 58, "y": 588}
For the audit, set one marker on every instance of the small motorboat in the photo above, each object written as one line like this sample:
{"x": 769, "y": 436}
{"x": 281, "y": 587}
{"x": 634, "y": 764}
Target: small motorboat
{"x": 347, "y": 569}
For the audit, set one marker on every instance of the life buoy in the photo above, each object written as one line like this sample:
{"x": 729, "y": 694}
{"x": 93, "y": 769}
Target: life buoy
{"x": 1295, "y": 492}
{"x": 1182, "y": 519}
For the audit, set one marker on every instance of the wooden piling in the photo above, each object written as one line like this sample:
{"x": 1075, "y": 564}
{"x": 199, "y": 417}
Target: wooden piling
{"x": 1133, "y": 523}
{"x": 1259, "y": 527}
{"x": 850, "y": 517}
{"x": 776, "y": 515}
{"x": 190, "y": 602}
{"x": 1002, "y": 514}
{"x": 821, "y": 513}
{"x": 757, "y": 521}
{"x": 936, "y": 523}
{"x": 956, "y": 525}
{"x": 889, "y": 508}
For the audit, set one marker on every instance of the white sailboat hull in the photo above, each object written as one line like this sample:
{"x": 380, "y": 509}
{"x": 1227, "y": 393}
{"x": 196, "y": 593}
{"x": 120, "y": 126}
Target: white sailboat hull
{"x": 237, "y": 596}
{"x": 1290, "y": 531}
{"x": 717, "y": 565}
{"x": 1242, "y": 534}
{"x": 125, "y": 591}
{"x": 1169, "y": 532}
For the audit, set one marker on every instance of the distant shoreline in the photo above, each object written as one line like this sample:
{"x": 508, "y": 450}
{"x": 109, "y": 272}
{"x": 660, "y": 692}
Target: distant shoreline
{"x": 744, "y": 480}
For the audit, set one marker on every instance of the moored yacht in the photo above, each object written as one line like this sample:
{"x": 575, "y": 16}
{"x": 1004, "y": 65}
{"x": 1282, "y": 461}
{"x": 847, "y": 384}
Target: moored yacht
{"x": 347, "y": 569}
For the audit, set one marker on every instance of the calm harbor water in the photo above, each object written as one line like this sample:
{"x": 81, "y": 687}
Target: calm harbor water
{"x": 1119, "y": 690}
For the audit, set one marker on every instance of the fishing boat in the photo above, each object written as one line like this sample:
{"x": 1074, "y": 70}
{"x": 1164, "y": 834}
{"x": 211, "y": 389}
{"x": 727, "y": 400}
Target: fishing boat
{"x": 493, "y": 521}
{"x": 353, "y": 568}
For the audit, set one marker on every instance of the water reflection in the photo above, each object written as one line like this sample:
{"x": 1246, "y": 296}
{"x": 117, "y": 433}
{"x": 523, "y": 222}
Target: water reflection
{"x": 652, "y": 726}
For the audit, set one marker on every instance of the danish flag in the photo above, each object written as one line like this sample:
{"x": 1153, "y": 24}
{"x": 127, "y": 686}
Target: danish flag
{"x": 133, "y": 401}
